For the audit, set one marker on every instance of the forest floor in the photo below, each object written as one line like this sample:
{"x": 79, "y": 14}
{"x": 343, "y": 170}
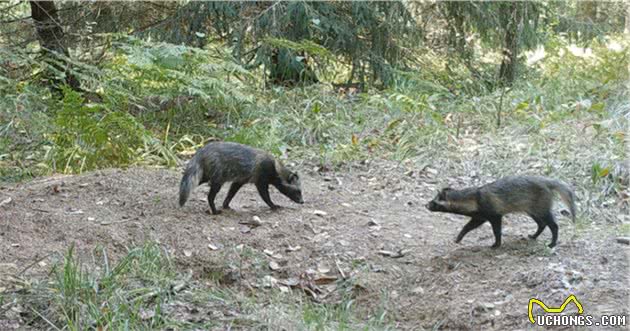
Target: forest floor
{"x": 362, "y": 242}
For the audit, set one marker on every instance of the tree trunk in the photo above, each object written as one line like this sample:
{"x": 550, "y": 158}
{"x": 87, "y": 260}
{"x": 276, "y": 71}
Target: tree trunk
{"x": 507, "y": 72}
{"x": 627, "y": 30}
{"x": 588, "y": 15}
{"x": 51, "y": 40}
{"x": 285, "y": 70}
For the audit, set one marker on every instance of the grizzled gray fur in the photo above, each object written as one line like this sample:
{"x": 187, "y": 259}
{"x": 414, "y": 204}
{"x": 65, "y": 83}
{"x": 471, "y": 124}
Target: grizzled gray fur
{"x": 531, "y": 195}
{"x": 220, "y": 162}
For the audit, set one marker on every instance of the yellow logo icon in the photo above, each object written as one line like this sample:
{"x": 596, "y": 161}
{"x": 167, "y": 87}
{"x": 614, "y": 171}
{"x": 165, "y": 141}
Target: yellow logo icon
{"x": 570, "y": 298}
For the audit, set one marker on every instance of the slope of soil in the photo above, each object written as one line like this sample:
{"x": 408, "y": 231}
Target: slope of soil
{"x": 368, "y": 224}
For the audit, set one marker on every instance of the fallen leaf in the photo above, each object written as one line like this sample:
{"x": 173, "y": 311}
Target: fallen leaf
{"x": 293, "y": 248}
{"x": 324, "y": 279}
{"x": 291, "y": 282}
{"x": 418, "y": 290}
{"x": 397, "y": 254}
{"x": 323, "y": 268}
{"x": 213, "y": 247}
{"x": 5, "y": 201}
{"x": 268, "y": 252}
{"x": 269, "y": 281}
{"x": 254, "y": 222}
{"x": 274, "y": 266}
{"x": 386, "y": 253}
{"x": 321, "y": 236}
{"x": 320, "y": 213}
{"x": 372, "y": 223}
{"x": 187, "y": 253}
{"x": 487, "y": 305}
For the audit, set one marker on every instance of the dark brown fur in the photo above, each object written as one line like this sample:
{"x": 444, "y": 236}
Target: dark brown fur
{"x": 527, "y": 194}
{"x": 221, "y": 162}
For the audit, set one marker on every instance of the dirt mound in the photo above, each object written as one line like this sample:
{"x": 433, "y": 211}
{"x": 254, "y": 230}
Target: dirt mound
{"x": 369, "y": 224}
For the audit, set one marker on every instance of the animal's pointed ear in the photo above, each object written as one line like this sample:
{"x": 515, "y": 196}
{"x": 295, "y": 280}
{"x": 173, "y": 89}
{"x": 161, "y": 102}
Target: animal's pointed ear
{"x": 293, "y": 177}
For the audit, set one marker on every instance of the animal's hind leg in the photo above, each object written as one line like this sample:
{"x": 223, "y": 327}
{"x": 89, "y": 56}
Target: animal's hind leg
{"x": 471, "y": 225}
{"x": 551, "y": 223}
{"x": 214, "y": 189}
{"x": 541, "y": 226}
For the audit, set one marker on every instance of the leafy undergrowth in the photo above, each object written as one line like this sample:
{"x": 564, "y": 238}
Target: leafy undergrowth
{"x": 562, "y": 122}
{"x": 159, "y": 100}
{"x": 143, "y": 291}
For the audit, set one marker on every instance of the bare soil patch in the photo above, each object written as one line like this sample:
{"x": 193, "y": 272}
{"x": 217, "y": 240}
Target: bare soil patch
{"x": 368, "y": 225}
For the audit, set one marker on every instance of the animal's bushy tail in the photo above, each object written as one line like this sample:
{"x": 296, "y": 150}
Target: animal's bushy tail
{"x": 192, "y": 176}
{"x": 566, "y": 194}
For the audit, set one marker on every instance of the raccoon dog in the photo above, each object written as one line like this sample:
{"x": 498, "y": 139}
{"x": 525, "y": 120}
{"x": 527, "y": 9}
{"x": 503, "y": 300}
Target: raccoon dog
{"x": 531, "y": 195}
{"x": 221, "y": 162}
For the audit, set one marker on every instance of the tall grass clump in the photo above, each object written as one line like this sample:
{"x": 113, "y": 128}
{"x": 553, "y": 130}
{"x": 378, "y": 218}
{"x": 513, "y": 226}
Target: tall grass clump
{"x": 128, "y": 295}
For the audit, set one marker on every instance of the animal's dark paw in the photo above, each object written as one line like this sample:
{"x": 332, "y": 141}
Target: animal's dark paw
{"x": 216, "y": 212}
{"x": 275, "y": 207}
{"x": 495, "y": 246}
{"x": 552, "y": 245}
{"x": 531, "y": 236}
{"x": 227, "y": 208}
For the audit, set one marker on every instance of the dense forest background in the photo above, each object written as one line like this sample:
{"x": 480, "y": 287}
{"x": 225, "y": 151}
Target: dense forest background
{"x": 376, "y": 104}
{"x": 90, "y": 85}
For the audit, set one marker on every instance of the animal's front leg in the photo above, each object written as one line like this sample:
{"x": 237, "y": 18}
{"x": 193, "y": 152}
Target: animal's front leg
{"x": 263, "y": 190}
{"x": 471, "y": 225}
{"x": 496, "y": 228}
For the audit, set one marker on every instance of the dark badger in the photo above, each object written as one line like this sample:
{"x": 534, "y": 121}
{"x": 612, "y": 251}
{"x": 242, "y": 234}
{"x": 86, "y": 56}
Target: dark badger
{"x": 528, "y": 194}
{"x": 221, "y": 162}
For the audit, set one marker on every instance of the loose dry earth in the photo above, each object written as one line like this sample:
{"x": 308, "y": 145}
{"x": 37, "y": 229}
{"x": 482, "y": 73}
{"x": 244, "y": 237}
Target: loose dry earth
{"x": 366, "y": 227}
